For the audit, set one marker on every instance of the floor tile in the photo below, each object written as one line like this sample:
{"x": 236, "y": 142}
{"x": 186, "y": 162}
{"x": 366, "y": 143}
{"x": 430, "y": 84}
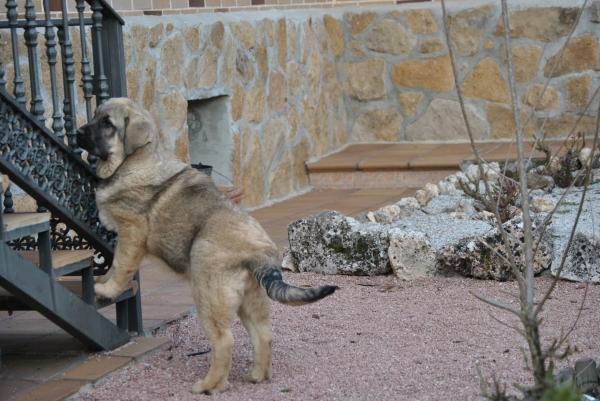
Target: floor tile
{"x": 142, "y": 347}
{"x": 36, "y": 365}
{"x": 95, "y": 369}
{"x": 53, "y": 390}
{"x": 12, "y": 387}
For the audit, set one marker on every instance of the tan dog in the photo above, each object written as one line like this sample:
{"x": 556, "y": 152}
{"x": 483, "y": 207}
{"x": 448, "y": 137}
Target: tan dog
{"x": 162, "y": 207}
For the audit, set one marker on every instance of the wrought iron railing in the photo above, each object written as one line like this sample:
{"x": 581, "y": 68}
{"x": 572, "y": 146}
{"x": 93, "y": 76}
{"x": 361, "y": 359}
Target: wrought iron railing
{"x": 38, "y": 150}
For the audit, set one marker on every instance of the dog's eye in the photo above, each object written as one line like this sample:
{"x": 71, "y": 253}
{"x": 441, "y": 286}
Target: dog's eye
{"x": 106, "y": 123}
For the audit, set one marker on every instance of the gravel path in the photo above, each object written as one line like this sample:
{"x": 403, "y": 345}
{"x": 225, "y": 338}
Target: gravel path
{"x": 377, "y": 338}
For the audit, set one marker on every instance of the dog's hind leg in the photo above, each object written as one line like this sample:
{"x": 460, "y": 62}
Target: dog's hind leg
{"x": 216, "y": 305}
{"x": 254, "y": 314}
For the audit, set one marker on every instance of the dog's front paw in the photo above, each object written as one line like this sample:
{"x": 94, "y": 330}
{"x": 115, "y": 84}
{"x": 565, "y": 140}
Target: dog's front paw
{"x": 202, "y": 387}
{"x": 106, "y": 291}
{"x": 255, "y": 375}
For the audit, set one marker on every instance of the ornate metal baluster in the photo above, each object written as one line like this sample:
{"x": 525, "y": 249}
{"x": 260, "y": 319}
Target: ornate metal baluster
{"x": 37, "y": 108}
{"x": 86, "y": 71}
{"x": 8, "y": 201}
{"x": 69, "y": 79}
{"x": 57, "y": 124}
{"x": 13, "y": 15}
{"x": 2, "y": 74}
{"x": 102, "y": 81}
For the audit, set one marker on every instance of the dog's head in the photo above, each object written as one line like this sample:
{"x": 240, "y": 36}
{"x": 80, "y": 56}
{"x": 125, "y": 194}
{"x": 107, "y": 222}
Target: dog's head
{"x": 118, "y": 129}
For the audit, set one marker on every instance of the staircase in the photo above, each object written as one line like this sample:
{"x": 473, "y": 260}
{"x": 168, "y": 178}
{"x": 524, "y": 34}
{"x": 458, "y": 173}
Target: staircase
{"x": 48, "y": 260}
{"x": 409, "y": 164}
{"x": 43, "y": 280}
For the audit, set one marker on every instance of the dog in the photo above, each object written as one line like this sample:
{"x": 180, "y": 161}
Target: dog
{"x": 160, "y": 206}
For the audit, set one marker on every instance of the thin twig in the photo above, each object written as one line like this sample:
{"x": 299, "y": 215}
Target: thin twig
{"x": 498, "y": 304}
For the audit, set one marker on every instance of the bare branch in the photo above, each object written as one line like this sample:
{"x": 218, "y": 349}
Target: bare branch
{"x": 498, "y": 305}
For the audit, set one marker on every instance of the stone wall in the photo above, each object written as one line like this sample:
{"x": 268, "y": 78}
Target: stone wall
{"x": 302, "y": 84}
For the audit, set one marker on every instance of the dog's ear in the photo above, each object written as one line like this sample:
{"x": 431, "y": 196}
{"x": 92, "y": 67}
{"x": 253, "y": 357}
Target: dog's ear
{"x": 138, "y": 130}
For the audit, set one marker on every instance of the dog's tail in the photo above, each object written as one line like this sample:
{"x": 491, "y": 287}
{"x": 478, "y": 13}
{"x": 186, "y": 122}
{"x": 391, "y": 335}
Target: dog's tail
{"x": 269, "y": 277}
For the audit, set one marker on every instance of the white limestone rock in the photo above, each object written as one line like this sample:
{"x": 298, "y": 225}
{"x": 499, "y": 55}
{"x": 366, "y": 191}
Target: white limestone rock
{"x": 411, "y": 254}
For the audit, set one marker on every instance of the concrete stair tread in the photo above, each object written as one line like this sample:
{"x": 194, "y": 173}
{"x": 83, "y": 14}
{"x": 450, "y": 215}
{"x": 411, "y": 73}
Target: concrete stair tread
{"x": 409, "y": 164}
{"x": 13, "y": 221}
{"x": 60, "y": 258}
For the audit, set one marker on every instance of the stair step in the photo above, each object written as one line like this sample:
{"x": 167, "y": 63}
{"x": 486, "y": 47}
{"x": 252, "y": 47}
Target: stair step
{"x": 17, "y": 225}
{"x": 10, "y": 302}
{"x": 63, "y": 261}
{"x": 408, "y": 164}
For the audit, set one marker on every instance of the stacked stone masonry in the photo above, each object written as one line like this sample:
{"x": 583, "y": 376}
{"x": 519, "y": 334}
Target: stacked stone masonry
{"x": 305, "y": 83}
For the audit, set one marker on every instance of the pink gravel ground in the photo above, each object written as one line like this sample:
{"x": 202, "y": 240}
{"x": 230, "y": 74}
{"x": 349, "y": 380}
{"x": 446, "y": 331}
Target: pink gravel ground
{"x": 377, "y": 338}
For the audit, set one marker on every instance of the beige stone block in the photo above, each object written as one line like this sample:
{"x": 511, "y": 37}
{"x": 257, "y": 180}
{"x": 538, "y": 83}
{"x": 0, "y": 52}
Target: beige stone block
{"x": 148, "y": 89}
{"x": 169, "y": 28}
{"x": 488, "y": 44}
{"x": 253, "y": 175}
{"x": 502, "y": 122}
{"x": 580, "y": 54}
{"x": 234, "y": 27}
{"x": 140, "y": 37}
{"x": 277, "y": 99}
{"x": 273, "y": 140}
{"x": 281, "y": 38}
{"x": 434, "y": 73}
{"x": 237, "y": 158}
{"x": 547, "y": 24}
{"x": 443, "y": 121}
{"x": 237, "y": 102}
{"x": 486, "y": 82}
{"x": 174, "y": 108}
{"x": 549, "y": 100}
{"x": 358, "y": 23}
{"x": 320, "y": 36}
{"x": 340, "y": 136}
{"x": 216, "y": 35}
{"x": 334, "y": 89}
{"x": 292, "y": 31}
{"x": 377, "y": 125}
{"x": 578, "y": 90}
{"x": 133, "y": 84}
{"x": 390, "y": 37}
{"x": 297, "y": 82}
{"x": 254, "y": 108}
{"x": 410, "y": 102}
{"x": 244, "y": 65}
{"x": 421, "y": 21}
{"x": 467, "y": 27}
{"x": 396, "y": 14}
{"x": 192, "y": 74}
{"x": 356, "y": 48}
{"x": 321, "y": 139}
{"x": 182, "y": 147}
{"x": 526, "y": 61}
{"x": 335, "y": 32}
{"x": 292, "y": 123}
{"x": 432, "y": 45}
{"x": 563, "y": 126}
{"x": 281, "y": 179}
{"x": 269, "y": 30}
{"x": 247, "y": 35}
{"x": 192, "y": 37}
{"x": 307, "y": 44}
{"x": 365, "y": 80}
{"x": 171, "y": 55}
{"x": 229, "y": 64}
{"x": 315, "y": 72}
{"x": 156, "y": 34}
{"x": 209, "y": 63}
{"x": 300, "y": 154}
{"x": 127, "y": 49}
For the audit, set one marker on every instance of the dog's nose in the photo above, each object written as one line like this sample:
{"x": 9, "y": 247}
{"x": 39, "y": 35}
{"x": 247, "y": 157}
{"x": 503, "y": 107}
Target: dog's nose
{"x": 80, "y": 133}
